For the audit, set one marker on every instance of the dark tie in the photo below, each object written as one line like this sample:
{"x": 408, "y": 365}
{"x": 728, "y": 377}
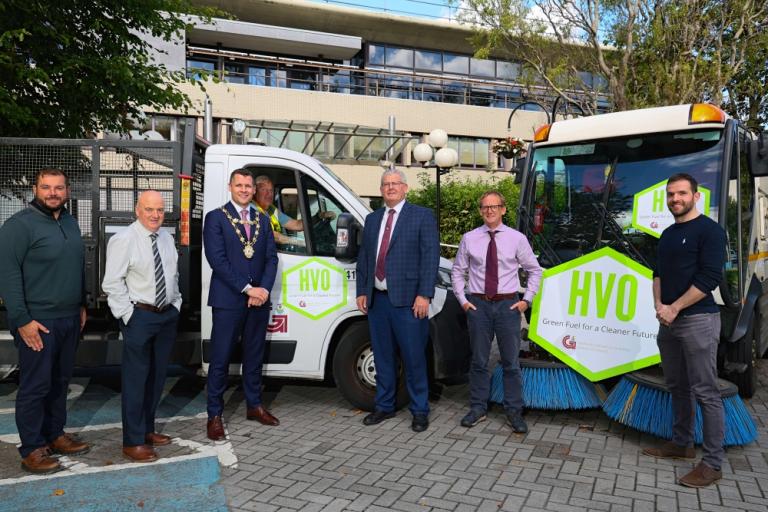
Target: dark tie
{"x": 381, "y": 260}
{"x": 491, "y": 267}
{"x": 159, "y": 275}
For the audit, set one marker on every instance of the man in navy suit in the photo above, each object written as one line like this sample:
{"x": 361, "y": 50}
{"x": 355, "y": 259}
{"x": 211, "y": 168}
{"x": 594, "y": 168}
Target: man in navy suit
{"x": 396, "y": 277}
{"x": 240, "y": 249}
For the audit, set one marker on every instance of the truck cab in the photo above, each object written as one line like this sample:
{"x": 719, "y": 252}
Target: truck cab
{"x": 315, "y": 330}
{"x": 595, "y": 186}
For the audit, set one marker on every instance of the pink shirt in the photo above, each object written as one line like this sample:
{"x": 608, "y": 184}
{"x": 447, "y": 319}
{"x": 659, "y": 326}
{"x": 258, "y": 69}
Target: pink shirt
{"x": 513, "y": 252}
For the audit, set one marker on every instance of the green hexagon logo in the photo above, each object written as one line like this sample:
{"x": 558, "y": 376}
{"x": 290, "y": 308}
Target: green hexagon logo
{"x": 314, "y": 288}
{"x": 596, "y": 315}
{"x": 649, "y": 208}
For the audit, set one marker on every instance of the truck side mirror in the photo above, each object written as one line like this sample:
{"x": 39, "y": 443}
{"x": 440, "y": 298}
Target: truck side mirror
{"x": 758, "y": 155}
{"x": 348, "y": 232}
{"x": 518, "y": 170}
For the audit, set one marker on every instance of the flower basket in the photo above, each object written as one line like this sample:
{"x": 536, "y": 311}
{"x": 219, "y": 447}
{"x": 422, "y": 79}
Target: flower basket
{"x": 509, "y": 148}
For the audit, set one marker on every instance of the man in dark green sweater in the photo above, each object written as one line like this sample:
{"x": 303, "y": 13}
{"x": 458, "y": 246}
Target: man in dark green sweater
{"x": 42, "y": 285}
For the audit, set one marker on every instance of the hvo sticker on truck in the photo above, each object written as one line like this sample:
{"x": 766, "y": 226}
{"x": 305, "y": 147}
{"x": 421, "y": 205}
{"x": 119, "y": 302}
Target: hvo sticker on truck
{"x": 594, "y": 313}
{"x": 314, "y": 288}
{"x": 649, "y": 208}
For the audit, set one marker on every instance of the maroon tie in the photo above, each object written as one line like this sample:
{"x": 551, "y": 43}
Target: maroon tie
{"x": 491, "y": 267}
{"x": 381, "y": 259}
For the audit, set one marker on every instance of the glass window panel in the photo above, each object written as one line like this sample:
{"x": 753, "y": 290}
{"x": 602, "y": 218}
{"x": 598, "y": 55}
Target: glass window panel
{"x": 234, "y": 73}
{"x": 376, "y": 54}
{"x": 482, "y": 67}
{"x": 467, "y": 152}
{"x": 257, "y": 76}
{"x": 482, "y": 147}
{"x": 453, "y": 92}
{"x": 400, "y": 57}
{"x": 432, "y": 61}
{"x": 586, "y": 78}
{"x": 507, "y": 70}
{"x": 194, "y": 67}
{"x": 455, "y": 64}
{"x": 296, "y": 141}
{"x": 482, "y": 96}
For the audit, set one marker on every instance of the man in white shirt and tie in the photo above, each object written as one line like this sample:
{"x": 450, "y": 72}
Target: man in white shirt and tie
{"x": 141, "y": 281}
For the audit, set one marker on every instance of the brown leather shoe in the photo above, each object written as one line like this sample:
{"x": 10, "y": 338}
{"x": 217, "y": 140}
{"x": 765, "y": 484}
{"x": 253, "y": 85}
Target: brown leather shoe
{"x": 701, "y": 476}
{"x": 155, "y": 439}
{"x": 141, "y": 453}
{"x": 263, "y": 416}
{"x": 67, "y": 444}
{"x": 40, "y": 462}
{"x": 216, "y": 429}
{"x": 670, "y": 450}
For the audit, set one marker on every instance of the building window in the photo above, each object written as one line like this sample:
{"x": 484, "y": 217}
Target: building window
{"x": 431, "y": 61}
{"x": 482, "y": 68}
{"x": 507, "y": 70}
{"x": 375, "y": 55}
{"x": 458, "y": 64}
{"x": 197, "y": 68}
{"x": 399, "y": 57}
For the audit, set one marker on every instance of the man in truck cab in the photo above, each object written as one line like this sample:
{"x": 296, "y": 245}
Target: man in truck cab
{"x": 280, "y": 222}
{"x": 42, "y": 283}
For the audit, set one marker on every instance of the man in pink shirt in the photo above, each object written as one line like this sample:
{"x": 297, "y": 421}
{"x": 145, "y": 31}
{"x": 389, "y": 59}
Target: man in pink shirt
{"x": 490, "y": 256}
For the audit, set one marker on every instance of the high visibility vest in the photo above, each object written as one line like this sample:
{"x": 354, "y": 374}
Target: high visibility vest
{"x": 271, "y": 212}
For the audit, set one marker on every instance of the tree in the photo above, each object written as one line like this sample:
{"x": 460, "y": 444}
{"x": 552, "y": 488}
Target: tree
{"x": 647, "y": 52}
{"x": 72, "y": 67}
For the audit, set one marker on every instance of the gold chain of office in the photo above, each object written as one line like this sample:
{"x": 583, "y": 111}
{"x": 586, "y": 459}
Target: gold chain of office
{"x": 247, "y": 244}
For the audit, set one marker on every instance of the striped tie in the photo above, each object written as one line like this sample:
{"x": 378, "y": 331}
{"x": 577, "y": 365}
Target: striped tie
{"x": 159, "y": 276}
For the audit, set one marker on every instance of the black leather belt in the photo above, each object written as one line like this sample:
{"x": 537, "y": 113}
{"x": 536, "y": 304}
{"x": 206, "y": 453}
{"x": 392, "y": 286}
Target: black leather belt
{"x": 497, "y": 297}
{"x": 150, "y": 307}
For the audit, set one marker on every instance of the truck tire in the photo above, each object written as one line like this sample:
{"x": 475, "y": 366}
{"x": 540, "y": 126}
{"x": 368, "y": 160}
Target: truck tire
{"x": 745, "y": 351}
{"x": 354, "y": 371}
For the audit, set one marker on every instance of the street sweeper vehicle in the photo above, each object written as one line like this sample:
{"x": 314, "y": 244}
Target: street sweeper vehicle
{"x": 593, "y": 205}
{"x": 315, "y": 330}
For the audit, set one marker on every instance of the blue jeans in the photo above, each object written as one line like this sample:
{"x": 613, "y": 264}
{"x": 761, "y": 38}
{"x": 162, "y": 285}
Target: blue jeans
{"x": 41, "y": 402}
{"x": 489, "y": 319}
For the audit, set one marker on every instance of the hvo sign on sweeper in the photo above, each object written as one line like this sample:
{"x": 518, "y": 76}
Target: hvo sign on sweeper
{"x": 593, "y": 205}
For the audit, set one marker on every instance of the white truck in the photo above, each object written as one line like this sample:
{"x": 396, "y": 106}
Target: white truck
{"x": 593, "y": 204}
{"x": 315, "y": 331}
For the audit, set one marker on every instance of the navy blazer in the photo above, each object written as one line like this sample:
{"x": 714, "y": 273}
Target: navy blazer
{"x": 412, "y": 259}
{"x": 232, "y": 271}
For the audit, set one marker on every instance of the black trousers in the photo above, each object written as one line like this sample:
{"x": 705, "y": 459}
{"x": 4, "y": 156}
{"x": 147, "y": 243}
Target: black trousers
{"x": 147, "y": 343}
{"x": 41, "y": 401}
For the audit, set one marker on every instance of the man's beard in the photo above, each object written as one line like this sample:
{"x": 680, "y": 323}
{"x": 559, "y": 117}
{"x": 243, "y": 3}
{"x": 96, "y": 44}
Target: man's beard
{"x": 687, "y": 207}
{"x": 41, "y": 203}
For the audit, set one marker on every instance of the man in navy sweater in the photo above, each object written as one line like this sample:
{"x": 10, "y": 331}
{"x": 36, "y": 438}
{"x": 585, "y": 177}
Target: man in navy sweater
{"x": 691, "y": 255}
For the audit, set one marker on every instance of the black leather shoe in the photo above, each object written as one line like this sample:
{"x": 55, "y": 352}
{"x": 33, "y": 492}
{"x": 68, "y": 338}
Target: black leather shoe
{"x": 420, "y": 423}
{"x": 516, "y": 421}
{"x": 377, "y": 417}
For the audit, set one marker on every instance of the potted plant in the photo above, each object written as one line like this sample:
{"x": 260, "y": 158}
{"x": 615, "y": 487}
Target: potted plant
{"x": 511, "y": 147}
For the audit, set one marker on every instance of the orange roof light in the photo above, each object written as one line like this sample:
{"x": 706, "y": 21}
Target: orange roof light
{"x": 705, "y": 113}
{"x": 542, "y": 133}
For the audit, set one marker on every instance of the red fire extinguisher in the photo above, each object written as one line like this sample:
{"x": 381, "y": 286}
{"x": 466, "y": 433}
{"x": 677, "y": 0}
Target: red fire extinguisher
{"x": 539, "y": 211}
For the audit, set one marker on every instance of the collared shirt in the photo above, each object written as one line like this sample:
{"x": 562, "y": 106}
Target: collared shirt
{"x": 513, "y": 252}
{"x": 129, "y": 276}
{"x": 382, "y": 285}
{"x": 239, "y": 209}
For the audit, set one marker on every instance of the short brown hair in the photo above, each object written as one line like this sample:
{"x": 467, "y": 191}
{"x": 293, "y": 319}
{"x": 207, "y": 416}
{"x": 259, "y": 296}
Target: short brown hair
{"x": 242, "y": 172}
{"x": 491, "y": 193}
{"x": 50, "y": 171}
{"x": 681, "y": 176}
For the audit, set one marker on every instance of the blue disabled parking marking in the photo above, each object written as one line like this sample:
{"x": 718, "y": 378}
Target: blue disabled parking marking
{"x": 187, "y": 483}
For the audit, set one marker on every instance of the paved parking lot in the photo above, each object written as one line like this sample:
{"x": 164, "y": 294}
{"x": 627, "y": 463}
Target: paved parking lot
{"x": 322, "y": 458}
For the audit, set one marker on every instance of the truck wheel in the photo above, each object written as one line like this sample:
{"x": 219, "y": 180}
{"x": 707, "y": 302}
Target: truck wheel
{"x": 355, "y": 373}
{"x": 744, "y": 351}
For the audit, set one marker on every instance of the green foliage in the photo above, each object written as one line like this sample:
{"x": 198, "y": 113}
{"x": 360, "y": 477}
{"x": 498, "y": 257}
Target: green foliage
{"x": 72, "y": 67}
{"x": 459, "y": 211}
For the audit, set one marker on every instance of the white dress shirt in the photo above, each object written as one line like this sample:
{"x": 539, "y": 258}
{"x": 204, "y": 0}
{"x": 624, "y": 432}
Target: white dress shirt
{"x": 129, "y": 276}
{"x": 382, "y": 285}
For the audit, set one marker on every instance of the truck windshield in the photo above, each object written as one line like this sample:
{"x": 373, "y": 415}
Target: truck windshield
{"x": 580, "y": 197}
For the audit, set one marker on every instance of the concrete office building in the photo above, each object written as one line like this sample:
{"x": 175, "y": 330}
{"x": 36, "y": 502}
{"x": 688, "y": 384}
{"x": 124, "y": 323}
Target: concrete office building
{"x": 352, "y": 87}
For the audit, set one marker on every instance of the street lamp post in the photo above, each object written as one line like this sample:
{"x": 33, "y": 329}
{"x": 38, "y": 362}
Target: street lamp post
{"x": 445, "y": 159}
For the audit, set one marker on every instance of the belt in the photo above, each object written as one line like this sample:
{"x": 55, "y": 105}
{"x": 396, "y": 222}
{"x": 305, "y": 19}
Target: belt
{"x": 497, "y": 297}
{"x": 150, "y": 307}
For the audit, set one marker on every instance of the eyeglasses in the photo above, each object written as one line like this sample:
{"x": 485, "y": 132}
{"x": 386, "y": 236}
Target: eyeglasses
{"x": 392, "y": 184}
{"x": 491, "y": 207}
